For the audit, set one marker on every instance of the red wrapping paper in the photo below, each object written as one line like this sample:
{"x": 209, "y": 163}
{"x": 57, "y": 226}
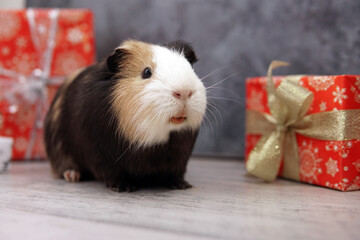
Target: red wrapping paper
{"x": 22, "y": 46}
{"x": 333, "y": 164}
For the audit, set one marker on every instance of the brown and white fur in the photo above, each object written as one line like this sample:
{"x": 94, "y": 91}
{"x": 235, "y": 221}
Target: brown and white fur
{"x": 130, "y": 120}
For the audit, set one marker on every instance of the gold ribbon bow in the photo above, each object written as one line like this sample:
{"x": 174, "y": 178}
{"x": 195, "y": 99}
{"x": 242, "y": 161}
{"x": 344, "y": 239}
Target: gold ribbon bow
{"x": 288, "y": 104}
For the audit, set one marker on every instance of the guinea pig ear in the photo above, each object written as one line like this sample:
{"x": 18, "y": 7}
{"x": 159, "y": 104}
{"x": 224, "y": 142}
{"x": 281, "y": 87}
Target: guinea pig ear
{"x": 114, "y": 60}
{"x": 185, "y": 48}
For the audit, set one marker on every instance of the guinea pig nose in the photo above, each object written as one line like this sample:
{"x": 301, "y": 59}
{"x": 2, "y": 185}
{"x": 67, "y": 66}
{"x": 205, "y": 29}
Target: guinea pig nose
{"x": 183, "y": 94}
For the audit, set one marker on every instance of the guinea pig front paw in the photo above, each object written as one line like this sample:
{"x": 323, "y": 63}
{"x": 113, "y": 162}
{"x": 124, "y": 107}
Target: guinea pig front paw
{"x": 71, "y": 175}
{"x": 179, "y": 184}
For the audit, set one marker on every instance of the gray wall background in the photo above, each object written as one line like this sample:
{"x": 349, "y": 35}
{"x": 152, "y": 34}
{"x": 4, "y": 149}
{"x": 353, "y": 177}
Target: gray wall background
{"x": 316, "y": 36}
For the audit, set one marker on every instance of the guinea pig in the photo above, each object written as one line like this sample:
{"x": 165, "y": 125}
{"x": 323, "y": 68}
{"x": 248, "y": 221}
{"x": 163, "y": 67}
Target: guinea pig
{"x": 129, "y": 121}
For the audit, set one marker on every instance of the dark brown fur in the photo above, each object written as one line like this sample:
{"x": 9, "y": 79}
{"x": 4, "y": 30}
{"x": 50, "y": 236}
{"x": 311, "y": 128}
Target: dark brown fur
{"x": 84, "y": 136}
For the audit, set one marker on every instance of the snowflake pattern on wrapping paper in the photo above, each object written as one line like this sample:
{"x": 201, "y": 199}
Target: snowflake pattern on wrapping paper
{"x": 339, "y": 95}
{"x": 321, "y": 83}
{"x": 357, "y": 165}
{"x": 356, "y": 94}
{"x": 331, "y": 167}
{"x": 5, "y": 50}
{"x": 357, "y": 82}
{"x": 255, "y": 101}
{"x": 23, "y": 63}
{"x": 340, "y": 147}
{"x": 355, "y": 185}
{"x": 67, "y": 62}
{"x": 322, "y": 106}
{"x": 345, "y": 185}
{"x": 9, "y": 25}
{"x": 75, "y": 35}
{"x": 309, "y": 162}
{"x": 21, "y": 42}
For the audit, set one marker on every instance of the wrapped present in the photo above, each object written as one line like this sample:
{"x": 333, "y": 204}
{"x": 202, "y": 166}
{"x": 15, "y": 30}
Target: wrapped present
{"x": 304, "y": 128}
{"x": 38, "y": 47}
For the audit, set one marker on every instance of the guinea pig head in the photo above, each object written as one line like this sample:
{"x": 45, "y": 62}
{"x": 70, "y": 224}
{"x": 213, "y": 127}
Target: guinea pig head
{"x": 156, "y": 91}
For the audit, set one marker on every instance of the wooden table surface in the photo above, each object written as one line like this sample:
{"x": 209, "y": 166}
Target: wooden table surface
{"x": 225, "y": 203}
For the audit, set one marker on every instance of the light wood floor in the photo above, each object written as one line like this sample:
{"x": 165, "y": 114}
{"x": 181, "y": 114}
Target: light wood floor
{"x": 224, "y": 204}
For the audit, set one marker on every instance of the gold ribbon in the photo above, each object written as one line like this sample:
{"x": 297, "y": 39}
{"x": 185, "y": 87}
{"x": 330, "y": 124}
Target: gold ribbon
{"x": 288, "y": 104}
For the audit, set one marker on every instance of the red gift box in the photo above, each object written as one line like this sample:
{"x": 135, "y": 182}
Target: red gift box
{"x": 333, "y": 164}
{"x": 38, "y": 47}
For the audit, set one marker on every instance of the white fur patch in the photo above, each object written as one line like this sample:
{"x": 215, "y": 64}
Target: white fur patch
{"x": 173, "y": 73}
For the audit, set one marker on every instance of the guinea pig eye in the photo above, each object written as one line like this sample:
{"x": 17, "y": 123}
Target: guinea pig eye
{"x": 146, "y": 73}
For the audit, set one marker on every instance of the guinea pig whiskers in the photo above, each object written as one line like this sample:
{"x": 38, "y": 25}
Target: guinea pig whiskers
{"x": 222, "y": 80}
{"x": 215, "y": 104}
{"x": 228, "y": 90}
{"x": 211, "y": 124}
{"x": 206, "y": 117}
{"x": 218, "y": 112}
{"x": 215, "y": 118}
{"x": 215, "y": 71}
{"x": 228, "y": 99}
{"x": 204, "y": 125}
